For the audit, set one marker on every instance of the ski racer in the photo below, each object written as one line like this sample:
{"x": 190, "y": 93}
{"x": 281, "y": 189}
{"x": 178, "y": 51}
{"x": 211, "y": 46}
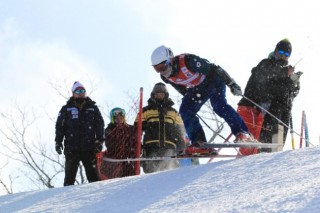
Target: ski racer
{"x": 198, "y": 80}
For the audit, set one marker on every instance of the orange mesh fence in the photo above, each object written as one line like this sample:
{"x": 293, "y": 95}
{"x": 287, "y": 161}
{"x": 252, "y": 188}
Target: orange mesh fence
{"x": 122, "y": 144}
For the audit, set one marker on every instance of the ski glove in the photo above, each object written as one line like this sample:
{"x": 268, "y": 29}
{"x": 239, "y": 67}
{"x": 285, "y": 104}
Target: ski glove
{"x": 235, "y": 88}
{"x": 59, "y": 148}
{"x": 296, "y": 76}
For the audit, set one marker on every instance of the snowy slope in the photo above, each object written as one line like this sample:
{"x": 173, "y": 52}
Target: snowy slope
{"x": 279, "y": 182}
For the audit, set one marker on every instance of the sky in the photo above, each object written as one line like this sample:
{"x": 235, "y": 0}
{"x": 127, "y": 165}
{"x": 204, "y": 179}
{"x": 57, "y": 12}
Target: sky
{"x": 274, "y": 182}
{"x": 107, "y": 46}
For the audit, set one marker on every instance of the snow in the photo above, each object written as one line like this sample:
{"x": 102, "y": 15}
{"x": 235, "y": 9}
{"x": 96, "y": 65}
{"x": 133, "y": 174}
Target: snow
{"x": 275, "y": 182}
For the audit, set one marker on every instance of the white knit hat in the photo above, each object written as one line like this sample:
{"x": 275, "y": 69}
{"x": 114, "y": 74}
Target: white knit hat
{"x": 76, "y": 85}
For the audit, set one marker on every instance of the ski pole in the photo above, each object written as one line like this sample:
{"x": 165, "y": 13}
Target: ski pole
{"x": 280, "y": 121}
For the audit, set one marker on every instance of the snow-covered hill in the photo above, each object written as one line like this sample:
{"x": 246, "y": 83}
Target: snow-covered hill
{"x": 287, "y": 181}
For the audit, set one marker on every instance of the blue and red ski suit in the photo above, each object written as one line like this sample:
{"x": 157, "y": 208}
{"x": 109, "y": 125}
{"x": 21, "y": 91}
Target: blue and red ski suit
{"x": 198, "y": 81}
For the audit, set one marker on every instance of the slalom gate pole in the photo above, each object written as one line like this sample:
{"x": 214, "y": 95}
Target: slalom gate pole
{"x": 291, "y": 131}
{"x": 302, "y": 126}
{"x": 139, "y": 133}
{"x": 306, "y": 131}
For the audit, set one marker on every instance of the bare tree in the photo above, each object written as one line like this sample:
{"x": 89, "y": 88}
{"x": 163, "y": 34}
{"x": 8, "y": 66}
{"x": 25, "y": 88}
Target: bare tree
{"x": 37, "y": 162}
{"x": 6, "y": 185}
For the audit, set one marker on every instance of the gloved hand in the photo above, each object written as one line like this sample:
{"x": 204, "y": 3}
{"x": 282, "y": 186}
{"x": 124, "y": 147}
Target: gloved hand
{"x": 235, "y": 88}
{"x": 59, "y": 148}
{"x": 294, "y": 93}
{"x": 98, "y": 145}
{"x": 296, "y": 76}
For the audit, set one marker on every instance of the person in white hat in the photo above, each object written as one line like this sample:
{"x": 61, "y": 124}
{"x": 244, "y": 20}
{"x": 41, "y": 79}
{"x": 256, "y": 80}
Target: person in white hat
{"x": 79, "y": 134}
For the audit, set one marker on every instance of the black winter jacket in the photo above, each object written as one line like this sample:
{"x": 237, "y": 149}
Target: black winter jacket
{"x": 162, "y": 125}
{"x": 79, "y": 127}
{"x": 269, "y": 81}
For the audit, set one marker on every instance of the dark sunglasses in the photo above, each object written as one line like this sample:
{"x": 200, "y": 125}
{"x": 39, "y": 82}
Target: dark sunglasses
{"x": 281, "y": 52}
{"x": 79, "y": 91}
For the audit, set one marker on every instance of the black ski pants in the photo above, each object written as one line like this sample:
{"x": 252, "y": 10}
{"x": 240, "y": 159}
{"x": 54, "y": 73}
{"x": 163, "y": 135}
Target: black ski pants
{"x": 282, "y": 111}
{"x": 89, "y": 162}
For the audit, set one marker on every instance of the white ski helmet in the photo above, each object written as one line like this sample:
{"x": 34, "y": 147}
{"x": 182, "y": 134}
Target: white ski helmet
{"x": 161, "y": 54}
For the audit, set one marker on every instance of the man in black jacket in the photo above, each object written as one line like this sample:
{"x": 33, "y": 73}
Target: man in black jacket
{"x": 163, "y": 130}
{"x": 80, "y": 128}
{"x": 273, "y": 84}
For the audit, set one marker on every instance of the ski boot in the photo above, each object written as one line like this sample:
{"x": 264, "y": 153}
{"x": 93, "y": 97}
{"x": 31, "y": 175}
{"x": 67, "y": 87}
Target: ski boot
{"x": 199, "y": 149}
{"x": 243, "y": 137}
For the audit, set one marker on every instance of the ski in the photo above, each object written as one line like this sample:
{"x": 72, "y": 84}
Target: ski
{"x": 202, "y": 155}
{"x": 169, "y": 157}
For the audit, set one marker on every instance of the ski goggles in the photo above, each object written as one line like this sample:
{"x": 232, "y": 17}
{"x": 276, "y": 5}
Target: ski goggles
{"x": 79, "y": 91}
{"x": 286, "y": 54}
{"x": 163, "y": 66}
{"x": 118, "y": 112}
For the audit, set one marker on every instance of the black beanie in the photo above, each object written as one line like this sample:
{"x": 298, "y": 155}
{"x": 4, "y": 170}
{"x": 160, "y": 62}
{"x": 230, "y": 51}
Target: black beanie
{"x": 160, "y": 87}
{"x": 284, "y": 45}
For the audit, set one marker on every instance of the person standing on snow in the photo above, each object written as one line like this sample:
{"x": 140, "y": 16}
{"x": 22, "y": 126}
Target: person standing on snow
{"x": 282, "y": 87}
{"x": 263, "y": 76}
{"x": 80, "y": 130}
{"x": 121, "y": 142}
{"x": 163, "y": 130}
{"x": 198, "y": 80}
